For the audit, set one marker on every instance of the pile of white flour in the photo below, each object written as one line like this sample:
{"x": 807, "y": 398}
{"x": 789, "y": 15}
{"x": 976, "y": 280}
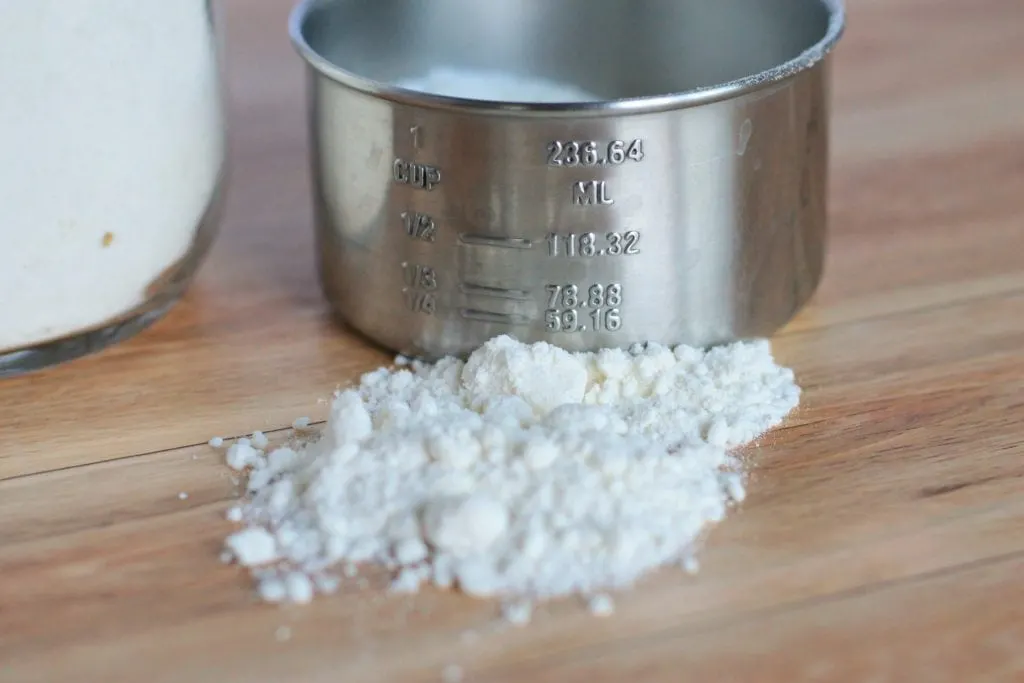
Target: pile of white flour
{"x": 526, "y": 472}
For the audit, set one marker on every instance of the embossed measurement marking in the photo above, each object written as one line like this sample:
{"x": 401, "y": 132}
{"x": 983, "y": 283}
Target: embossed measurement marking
{"x": 419, "y": 176}
{"x": 492, "y": 317}
{"x": 591, "y": 193}
{"x": 565, "y": 303}
{"x": 475, "y": 240}
{"x": 494, "y": 292}
{"x": 420, "y": 284}
{"x": 419, "y": 276}
{"x": 589, "y": 244}
{"x": 592, "y": 153}
{"x": 419, "y": 302}
{"x": 419, "y": 226}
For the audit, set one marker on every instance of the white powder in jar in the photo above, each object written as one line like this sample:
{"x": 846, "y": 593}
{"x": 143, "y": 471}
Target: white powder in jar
{"x": 495, "y": 86}
{"x": 111, "y": 145}
{"x": 524, "y": 473}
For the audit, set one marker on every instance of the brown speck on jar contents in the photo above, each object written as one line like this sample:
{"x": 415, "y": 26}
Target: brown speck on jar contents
{"x": 108, "y": 239}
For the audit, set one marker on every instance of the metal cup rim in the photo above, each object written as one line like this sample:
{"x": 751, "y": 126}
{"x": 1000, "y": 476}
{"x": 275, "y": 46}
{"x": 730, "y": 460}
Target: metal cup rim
{"x": 808, "y": 59}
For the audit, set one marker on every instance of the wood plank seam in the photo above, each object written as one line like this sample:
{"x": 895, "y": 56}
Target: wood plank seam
{"x": 787, "y": 335}
{"x": 159, "y": 451}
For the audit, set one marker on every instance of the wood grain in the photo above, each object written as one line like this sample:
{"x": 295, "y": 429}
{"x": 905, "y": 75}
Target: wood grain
{"x": 883, "y": 539}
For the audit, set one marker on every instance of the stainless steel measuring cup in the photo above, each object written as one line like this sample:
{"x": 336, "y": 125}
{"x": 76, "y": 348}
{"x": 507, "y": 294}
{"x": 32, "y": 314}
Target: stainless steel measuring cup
{"x": 685, "y": 204}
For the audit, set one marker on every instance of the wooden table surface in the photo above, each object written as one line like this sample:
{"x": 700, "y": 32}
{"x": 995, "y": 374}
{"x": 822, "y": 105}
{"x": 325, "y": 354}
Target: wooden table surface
{"x": 883, "y": 538}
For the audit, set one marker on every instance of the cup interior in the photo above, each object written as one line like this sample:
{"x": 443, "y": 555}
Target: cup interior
{"x": 615, "y": 49}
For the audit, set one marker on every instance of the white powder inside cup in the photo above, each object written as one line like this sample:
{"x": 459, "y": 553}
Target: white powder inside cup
{"x": 495, "y": 86}
{"x": 523, "y": 473}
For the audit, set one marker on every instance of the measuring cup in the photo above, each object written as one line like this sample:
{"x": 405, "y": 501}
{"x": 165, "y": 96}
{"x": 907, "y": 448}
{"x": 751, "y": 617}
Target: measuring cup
{"x": 684, "y": 203}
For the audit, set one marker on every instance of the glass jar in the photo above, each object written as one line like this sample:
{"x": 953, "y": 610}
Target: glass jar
{"x": 112, "y": 154}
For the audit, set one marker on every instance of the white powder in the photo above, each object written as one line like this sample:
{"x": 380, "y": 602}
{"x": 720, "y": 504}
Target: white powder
{"x": 300, "y": 587}
{"x": 241, "y": 455}
{"x": 260, "y": 440}
{"x": 452, "y": 674}
{"x": 517, "y": 613}
{"x": 111, "y": 144}
{"x": 601, "y": 606}
{"x": 495, "y": 86}
{"x": 524, "y": 473}
{"x": 273, "y": 589}
{"x": 253, "y": 546}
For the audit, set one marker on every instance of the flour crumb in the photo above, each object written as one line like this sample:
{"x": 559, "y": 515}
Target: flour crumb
{"x": 601, "y": 605}
{"x": 235, "y": 514}
{"x": 253, "y": 547}
{"x": 327, "y": 584}
{"x": 301, "y": 423}
{"x": 517, "y": 613}
{"x": 408, "y": 582}
{"x": 452, "y": 674}
{"x": 272, "y": 589}
{"x": 216, "y": 442}
{"x": 242, "y": 455}
{"x": 260, "y": 440}
{"x": 523, "y": 473}
{"x": 182, "y": 496}
{"x": 283, "y": 634}
{"x": 734, "y": 487}
{"x": 299, "y": 587}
